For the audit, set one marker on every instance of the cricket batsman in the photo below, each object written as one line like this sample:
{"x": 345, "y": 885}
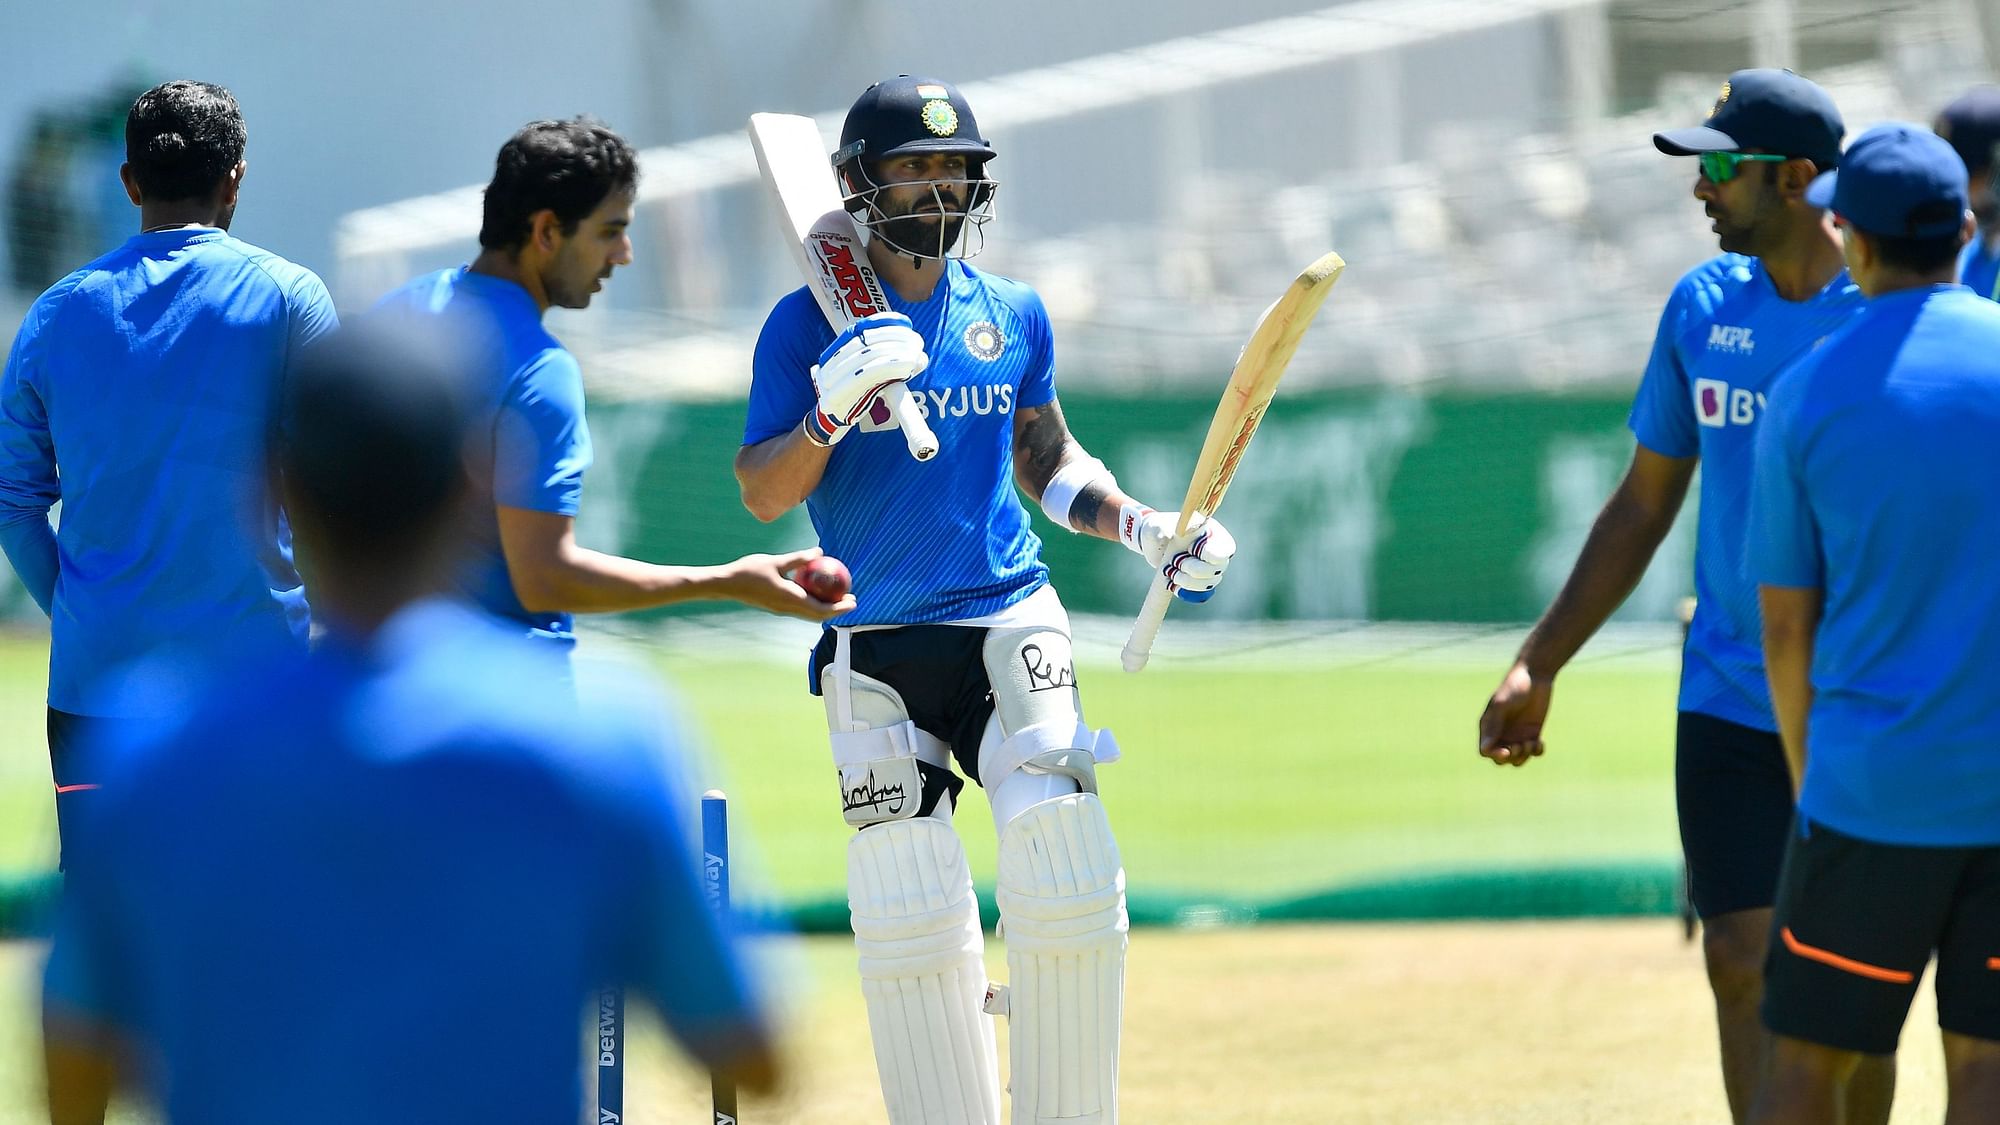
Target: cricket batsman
{"x": 958, "y": 650}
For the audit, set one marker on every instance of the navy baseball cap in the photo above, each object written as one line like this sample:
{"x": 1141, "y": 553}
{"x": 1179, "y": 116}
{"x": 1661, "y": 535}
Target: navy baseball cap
{"x": 1772, "y": 110}
{"x": 1972, "y": 125}
{"x": 1900, "y": 181}
{"x": 907, "y": 114}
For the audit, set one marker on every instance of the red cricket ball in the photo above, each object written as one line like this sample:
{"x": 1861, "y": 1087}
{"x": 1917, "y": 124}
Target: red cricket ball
{"x": 825, "y": 578}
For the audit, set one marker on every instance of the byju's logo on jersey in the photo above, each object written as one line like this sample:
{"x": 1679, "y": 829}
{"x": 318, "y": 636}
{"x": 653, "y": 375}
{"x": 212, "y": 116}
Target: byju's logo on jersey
{"x": 1718, "y": 404}
{"x": 952, "y": 402}
{"x": 1726, "y": 338}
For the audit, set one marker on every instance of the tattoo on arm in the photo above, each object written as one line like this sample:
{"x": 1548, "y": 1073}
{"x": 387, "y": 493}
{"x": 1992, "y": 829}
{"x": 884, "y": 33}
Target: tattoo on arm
{"x": 1041, "y": 446}
{"x": 1089, "y": 503}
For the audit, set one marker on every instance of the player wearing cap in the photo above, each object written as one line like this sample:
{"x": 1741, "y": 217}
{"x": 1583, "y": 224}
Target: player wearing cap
{"x": 1730, "y": 325}
{"x": 1873, "y": 535}
{"x": 958, "y": 649}
{"x": 1972, "y": 125}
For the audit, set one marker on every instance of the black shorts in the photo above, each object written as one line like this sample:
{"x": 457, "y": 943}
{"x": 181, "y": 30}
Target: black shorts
{"x": 68, "y": 734}
{"x": 939, "y": 670}
{"x": 1735, "y": 800}
{"x": 1857, "y": 922}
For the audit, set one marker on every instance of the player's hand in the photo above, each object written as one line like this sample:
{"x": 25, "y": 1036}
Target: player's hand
{"x": 1192, "y": 564}
{"x": 869, "y": 356}
{"x": 764, "y": 582}
{"x": 1510, "y": 730}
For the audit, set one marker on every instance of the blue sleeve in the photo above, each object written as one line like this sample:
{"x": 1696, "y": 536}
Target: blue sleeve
{"x": 1783, "y": 542}
{"x": 312, "y": 315}
{"x": 781, "y": 390}
{"x": 1663, "y": 417}
{"x": 541, "y": 446}
{"x": 29, "y": 485}
{"x": 1038, "y": 379}
{"x": 685, "y": 961}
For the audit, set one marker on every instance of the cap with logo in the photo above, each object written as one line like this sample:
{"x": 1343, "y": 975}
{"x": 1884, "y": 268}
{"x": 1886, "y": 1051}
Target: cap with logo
{"x": 1897, "y": 180}
{"x": 905, "y": 114}
{"x": 1972, "y": 125}
{"x": 1767, "y": 110}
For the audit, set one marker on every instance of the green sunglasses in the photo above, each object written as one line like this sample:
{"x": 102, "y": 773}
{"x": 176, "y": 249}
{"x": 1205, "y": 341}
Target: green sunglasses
{"x": 1721, "y": 167}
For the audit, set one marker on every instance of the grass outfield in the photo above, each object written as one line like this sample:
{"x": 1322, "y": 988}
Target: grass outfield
{"x": 1526, "y": 1023}
{"x": 1236, "y": 779}
{"x": 1250, "y": 781}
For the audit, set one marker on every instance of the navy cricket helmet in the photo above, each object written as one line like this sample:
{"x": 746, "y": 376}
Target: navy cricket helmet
{"x": 908, "y": 116}
{"x": 905, "y": 114}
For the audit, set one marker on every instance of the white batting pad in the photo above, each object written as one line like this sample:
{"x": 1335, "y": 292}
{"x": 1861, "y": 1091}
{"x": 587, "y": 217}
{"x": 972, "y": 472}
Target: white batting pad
{"x": 916, "y": 926}
{"x": 1062, "y": 910}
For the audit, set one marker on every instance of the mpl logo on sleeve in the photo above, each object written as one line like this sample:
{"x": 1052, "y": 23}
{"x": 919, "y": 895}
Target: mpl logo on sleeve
{"x": 1717, "y": 404}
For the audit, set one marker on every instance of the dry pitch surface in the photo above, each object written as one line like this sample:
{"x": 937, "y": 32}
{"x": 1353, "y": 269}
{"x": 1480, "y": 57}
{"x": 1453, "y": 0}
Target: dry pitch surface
{"x": 1545, "y": 1022}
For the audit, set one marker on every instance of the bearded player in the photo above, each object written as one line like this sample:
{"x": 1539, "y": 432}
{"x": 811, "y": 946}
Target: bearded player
{"x": 959, "y": 649}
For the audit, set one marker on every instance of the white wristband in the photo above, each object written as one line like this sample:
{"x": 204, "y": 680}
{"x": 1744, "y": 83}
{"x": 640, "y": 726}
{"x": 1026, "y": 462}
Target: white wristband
{"x": 1069, "y": 483}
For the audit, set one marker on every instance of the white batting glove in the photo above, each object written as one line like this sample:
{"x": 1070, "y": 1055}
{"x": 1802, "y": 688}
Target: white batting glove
{"x": 1193, "y": 565}
{"x": 870, "y": 355}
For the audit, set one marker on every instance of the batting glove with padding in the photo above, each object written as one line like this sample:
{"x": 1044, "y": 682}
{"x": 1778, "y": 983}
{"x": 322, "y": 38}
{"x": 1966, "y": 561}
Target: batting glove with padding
{"x": 869, "y": 355}
{"x": 1193, "y": 564}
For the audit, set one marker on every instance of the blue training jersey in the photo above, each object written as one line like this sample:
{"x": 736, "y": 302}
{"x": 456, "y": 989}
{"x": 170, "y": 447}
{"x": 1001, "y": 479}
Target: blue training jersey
{"x": 1979, "y": 267}
{"x": 531, "y": 441}
{"x": 383, "y": 882}
{"x": 947, "y": 539}
{"x": 1875, "y": 477}
{"x": 1724, "y": 337}
{"x": 138, "y": 393}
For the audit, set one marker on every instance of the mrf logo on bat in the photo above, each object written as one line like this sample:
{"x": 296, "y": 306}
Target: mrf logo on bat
{"x": 836, "y": 260}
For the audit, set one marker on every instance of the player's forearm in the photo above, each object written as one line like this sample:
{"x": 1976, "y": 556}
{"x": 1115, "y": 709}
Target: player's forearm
{"x": 1096, "y": 511}
{"x": 30, "y": 545}
{"x": 581, "y": 580}
{"x": 1614, "y": 558}
{"x": 1791, "y": 620}
{"x": 777, "y": 474}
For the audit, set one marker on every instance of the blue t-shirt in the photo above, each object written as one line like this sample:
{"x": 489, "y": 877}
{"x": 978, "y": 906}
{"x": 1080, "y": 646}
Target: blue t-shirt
{"x": 383, "y": 883}
{"x": 138, "y": 394}
{"x": 531, "y": 442}
{"x": 1979, "y": 267}
{"x": 1875, "y": 475}
{"x": 1725, "y": 335}
{"x": 946, "y": 539}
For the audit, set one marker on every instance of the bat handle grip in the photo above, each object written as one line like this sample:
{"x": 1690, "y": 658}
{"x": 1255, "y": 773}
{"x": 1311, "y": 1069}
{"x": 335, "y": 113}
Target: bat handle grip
{"x": 1139, "y": 646}
{"x": 916, "y": 432}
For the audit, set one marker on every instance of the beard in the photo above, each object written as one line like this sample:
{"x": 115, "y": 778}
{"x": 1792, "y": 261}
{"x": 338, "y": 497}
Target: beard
{"x": 926, "y": 233}
{"x": 1748, "y": 234}
{"x": 913, "y": 235}
{"x": 1735, "y": 238}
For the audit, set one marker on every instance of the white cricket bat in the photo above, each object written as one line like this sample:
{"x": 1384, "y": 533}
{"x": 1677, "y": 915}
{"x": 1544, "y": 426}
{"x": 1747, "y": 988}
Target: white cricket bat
{"x": 826, "y": 245}
{"x": 1251, "y": 385}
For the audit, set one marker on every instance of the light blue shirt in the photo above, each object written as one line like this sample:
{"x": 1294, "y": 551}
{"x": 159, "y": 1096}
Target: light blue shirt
{"x": 138, "y": 393}
{"x": 1875, "y": 484}
{"x": 383, "y": 882}
{"x": 531, "y": 442}
{"x": 1979, "y": 267}
{"x": 1724, "y": 337}
{"x": 940, "y": 540}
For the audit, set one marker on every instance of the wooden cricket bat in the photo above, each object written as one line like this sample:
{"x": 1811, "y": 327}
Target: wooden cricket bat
{"x": 826, "y": 245}
{"x": 1251, "y": 385}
